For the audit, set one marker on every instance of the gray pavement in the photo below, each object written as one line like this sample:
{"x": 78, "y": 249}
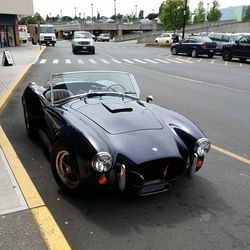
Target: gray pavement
{"x": 18, "y": 228}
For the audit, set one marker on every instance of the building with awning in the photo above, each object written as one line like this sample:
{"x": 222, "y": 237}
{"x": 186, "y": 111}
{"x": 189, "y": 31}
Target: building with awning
{"x": 10, "y": 10}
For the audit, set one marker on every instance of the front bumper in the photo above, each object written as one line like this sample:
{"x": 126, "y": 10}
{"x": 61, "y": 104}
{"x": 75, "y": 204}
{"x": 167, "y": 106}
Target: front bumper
{"x": 84, "y": 48}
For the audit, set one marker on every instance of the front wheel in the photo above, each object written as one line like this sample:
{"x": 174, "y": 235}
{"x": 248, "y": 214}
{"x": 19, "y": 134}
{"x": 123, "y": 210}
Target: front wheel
{"x": 226, "y": 55}
{"x": 64, "y": 169}
{"x": 194, "y": 53}
{"x": 174, "y": 51}
{"x": 210, "y": 55}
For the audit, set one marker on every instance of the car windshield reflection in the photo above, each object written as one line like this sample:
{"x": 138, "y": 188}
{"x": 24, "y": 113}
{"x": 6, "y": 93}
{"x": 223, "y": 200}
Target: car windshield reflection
{"x": 89, "y": 84}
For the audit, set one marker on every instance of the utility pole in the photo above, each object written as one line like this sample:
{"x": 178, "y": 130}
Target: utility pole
{"x": 92, "y": 12}
{"x": 184, "y": 19}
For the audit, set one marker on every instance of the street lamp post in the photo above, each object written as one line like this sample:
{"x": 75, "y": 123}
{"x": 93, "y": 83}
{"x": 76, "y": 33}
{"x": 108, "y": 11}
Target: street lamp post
{"x": 207, "y": 10}
{"x": 92, "y": 12}
{"x": 115, "y": 9}
{"x": 75, "y": 12}
{"x": 135, "y": 10}
{"x": 184, "y": 18}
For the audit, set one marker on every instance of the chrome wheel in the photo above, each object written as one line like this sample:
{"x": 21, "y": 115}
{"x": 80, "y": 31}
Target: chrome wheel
{"x": 174, "y": 51}
{"x": 194, "y": 53}
{"x": 65, "y": 170}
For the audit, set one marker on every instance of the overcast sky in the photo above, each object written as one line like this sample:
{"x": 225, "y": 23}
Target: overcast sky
{"x": 106, "y": 7}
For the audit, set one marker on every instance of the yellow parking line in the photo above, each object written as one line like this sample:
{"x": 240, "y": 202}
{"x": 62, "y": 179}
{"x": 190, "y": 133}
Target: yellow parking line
{"x": 228, "y": 153}
{"x": 48, "y": 226}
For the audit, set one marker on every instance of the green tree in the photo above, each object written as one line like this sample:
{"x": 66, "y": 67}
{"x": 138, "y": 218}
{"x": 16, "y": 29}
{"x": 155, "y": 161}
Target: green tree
{"x": 200, "y": 13}
{"x": 31, "y": 19}
{"x": 214, "y": 13}
{"x": 66, "y": 19}
{"x": 247, "y": 15}
{"x": 141, "y": 14}
{"x": 172, "y": 14}
{"x": 152, "y": 16}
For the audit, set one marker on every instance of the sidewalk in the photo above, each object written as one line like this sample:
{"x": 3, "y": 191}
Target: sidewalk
{"x": 25, "y": 221}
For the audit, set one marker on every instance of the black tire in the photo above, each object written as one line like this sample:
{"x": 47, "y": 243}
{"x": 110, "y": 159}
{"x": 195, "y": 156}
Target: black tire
{"x": 29, "y": 124}
{"x": 226, "y": 55}
{"x": 93, "y": 51}
{"x": 194, "y": 53}
{"x": 64, "y": 169}
{"x": 243, "y": 59}
{"x": 74, "y": 51}
{"x": 174, "y": 51}
{"x": 210, "y": 55}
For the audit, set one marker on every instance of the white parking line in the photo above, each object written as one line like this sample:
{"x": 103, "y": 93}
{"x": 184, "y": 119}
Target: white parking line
{"x": 43, "y": 61}
{"x": 126, "y": 60}
{"x": 159, "y": 60}
{"x": 55, "y": 61}
{"x": 68, "y": 61}
{"x": 116, "y": 61}
{"x": 80, "y": 61}
{"x": 173, "y": 61}
{"x": 148, "y": 60}
{"x": 183, "y": 60}
{"x": 93, "y": 61}
{"x": 199, "y": 60}
{"x": 137, "y": 60}
{"x": 104, "y": 61}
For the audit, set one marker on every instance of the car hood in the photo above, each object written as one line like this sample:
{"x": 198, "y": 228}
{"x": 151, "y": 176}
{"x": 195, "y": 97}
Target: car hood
{"x": 118, "y": 117}
{"x": 82, "y": 40}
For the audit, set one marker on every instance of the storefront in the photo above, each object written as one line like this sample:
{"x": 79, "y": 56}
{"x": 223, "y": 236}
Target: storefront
{"x": 8, "y": 27}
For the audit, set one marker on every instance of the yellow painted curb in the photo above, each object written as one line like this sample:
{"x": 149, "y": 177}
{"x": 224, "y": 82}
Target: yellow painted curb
{"x": 51, "y": 232}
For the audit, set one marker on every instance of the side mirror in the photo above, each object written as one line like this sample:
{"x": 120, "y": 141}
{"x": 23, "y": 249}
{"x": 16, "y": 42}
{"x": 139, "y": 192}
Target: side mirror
{"x": 149, "y": 99}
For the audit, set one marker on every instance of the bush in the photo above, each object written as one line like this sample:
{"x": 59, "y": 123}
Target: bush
{"x": 160, "y": 45}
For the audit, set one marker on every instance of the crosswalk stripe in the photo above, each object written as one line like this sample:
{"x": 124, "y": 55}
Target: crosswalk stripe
{"x": 43, "y": 61}
{"x": 93, "y": 61}
{"x": 104, "y": 61}
{"x": 137, "y": 60}
{"x": 159, "y": 60}
{"x": 126, "y": 60}
{"x": 116, "y": 61}
{"x": 55, "y": 61}
{"x": 148, "y": 60}
{"x": 173, "y": 61}
{"x": 183, "y": 60}
{"x": 80, "y": 61}
{"x": 68, "y": 61}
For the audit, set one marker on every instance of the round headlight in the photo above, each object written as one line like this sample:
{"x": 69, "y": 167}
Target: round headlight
{"x": 202, "y": 146}
{"x": 102, "y": 162}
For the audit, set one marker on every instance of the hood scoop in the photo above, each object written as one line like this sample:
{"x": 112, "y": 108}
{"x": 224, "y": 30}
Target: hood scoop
{"x": 117, "y": 108}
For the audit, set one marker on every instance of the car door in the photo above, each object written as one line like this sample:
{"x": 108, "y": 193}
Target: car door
{"x": 184, "y": 44}
{"x": 241, "y": 49}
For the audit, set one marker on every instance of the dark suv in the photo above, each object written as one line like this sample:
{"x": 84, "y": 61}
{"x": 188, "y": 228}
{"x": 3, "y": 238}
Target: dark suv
{"x": 240, "y": 49}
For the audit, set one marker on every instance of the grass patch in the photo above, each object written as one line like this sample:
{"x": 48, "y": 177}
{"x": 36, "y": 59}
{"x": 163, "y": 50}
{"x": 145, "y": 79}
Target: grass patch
{"x": 159, "y": 45}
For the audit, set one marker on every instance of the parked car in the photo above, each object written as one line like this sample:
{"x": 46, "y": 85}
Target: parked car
{"x": 195, "y": 46}
{"x": 83, "y": 42}
{"x": 240, "y": 49}
{"x": 101, "y": 134}
{"x": 220, "y": 39}
{"x": 164, "y": 38}
{"x": 103, "y": 38}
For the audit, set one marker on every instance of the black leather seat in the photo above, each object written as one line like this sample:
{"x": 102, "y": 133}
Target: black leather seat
{"x": 59, "y": 94}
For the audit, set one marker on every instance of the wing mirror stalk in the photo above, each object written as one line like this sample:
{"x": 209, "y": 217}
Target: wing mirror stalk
{"x": 149, "y": 99}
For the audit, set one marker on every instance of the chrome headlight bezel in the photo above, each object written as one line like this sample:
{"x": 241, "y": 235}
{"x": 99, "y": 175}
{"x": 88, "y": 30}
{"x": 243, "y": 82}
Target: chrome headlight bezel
{"x": 202, "y": 146}
{"x": 102, "y": 162}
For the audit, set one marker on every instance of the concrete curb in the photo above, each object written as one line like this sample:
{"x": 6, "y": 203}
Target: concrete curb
{"x": 11, "y": 90}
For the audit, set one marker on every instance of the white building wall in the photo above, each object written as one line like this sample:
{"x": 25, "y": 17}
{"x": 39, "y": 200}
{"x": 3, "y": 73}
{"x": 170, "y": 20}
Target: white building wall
{"x": 17, "y": 7}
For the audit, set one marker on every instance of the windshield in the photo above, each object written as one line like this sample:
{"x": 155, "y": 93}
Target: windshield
{"x": 83, "y": 82}
{"x": 46, "y": 30}
{"x": 83, "y": 35}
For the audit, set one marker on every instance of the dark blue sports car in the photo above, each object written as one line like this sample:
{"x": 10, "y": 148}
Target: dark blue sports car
{"x": 101, "y": 134}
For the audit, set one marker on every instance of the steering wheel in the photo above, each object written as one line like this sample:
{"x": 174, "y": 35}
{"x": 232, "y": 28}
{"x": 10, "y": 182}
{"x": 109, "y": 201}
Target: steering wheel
{"x": 112, "y": 87}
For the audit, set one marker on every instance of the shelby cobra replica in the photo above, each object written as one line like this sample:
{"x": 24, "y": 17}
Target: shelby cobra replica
{"x": 100, "y": 133}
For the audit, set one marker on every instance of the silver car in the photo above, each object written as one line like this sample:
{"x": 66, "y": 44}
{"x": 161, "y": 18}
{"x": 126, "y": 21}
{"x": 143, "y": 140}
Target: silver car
{"x": 83, "y": 42}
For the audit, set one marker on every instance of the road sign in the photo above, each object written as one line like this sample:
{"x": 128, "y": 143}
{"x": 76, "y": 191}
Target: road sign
{"x": 7, "y": 58}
